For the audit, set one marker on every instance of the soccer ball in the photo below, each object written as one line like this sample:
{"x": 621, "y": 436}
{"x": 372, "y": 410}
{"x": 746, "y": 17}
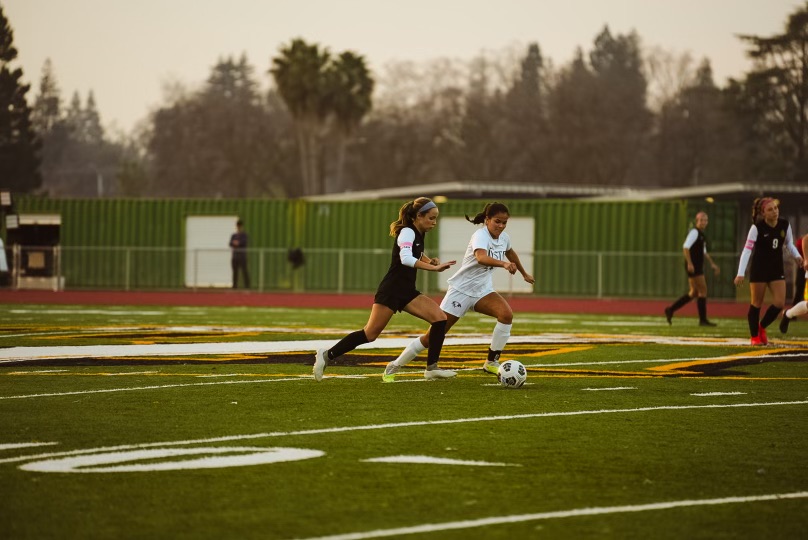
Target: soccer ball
{"x": 511, "y": 374}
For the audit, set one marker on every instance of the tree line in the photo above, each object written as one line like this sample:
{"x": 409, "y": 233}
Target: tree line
{"x": 617, "y": 114}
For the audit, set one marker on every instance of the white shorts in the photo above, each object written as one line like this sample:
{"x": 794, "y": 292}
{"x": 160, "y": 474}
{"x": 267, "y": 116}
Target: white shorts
{"x": 457, "y": 304}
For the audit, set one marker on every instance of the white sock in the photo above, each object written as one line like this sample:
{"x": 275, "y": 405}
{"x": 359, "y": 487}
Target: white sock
{"x": 500, "y": 336}
{"x": 409, "y": 353}
{"x": 797, "y": 310}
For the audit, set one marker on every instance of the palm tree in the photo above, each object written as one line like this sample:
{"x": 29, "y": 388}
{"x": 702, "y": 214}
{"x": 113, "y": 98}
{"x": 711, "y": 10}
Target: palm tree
{"x": 351, "y": 101}
{"x": 300, "y": 73}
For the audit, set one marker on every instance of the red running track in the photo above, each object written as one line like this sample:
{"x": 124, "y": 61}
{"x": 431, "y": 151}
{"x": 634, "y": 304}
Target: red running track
{"x": 535, "y": 304}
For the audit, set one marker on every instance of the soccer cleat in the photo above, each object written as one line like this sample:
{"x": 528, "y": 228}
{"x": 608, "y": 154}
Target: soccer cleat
{"x": 764, "y": 339}
{"x": 491, "y": 366}
{"x": 390, "y": 372}
{"x": 784, "y": 324}
{"x": 705, "y": 322}
{"x": 320, "y": 361}
{"x": 756, "y": 341}
{"x": 669, "y": 314}
{"x": 432, "y": 374}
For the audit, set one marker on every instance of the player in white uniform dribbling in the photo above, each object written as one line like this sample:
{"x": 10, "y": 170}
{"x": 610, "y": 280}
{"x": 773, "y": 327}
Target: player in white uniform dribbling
{"x": 472, "y": 287}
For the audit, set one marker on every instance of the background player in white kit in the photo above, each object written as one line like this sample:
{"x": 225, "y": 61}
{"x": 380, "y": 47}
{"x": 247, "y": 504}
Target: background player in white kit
{"x": 472, "y": 287}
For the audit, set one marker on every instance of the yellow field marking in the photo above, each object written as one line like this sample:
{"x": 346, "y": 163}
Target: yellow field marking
{"x": 156, "y": 374}
{"x": 685, "y": 367}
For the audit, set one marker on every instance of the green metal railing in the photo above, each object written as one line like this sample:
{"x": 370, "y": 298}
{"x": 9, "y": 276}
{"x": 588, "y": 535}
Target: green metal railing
{"x": 596, "y": 274}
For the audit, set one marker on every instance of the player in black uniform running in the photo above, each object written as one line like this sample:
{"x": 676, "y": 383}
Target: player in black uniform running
{"x": 397, "y": 290}
{"x": 695, "y": 252}
{"x": 764, "y": 245}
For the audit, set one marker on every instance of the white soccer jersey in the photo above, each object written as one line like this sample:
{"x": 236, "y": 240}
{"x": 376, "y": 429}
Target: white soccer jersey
{"x": 473, "y": 278}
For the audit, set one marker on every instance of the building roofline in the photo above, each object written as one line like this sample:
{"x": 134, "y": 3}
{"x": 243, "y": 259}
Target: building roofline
{"x": 463, "y": 189}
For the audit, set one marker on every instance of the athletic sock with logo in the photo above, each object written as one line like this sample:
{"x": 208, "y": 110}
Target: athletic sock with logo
{"x": 347, "y": 344}
{"x": 499, "y": 338}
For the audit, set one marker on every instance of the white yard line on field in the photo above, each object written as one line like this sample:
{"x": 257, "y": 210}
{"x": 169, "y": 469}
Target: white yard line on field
{"x": 613, "y": 388}
{"x": 398, "y": 425}
{"x": 15, "y": 446}
{"x": 710, "y": 394}
{"x": 20, "y": 354}
{"x": 577, "y": 512}
{"x": 136, "y": 388}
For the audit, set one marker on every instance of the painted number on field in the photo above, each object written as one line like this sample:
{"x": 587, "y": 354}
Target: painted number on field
{"x": 164, "y": 459}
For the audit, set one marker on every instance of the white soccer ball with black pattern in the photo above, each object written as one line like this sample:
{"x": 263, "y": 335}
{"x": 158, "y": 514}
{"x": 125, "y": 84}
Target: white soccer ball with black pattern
{"x": 511, "y": 374}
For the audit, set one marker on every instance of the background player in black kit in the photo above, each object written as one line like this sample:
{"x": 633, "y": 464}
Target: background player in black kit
{"x": 695, "y": 252}
{"x": 238, "y": 259}
{"x": 764, "y": 245}
{"x": 397, "y": 290}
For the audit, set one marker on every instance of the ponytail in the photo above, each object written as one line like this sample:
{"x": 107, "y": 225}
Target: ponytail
{"x": 490, "y": 210}
{"x": 407, "y": 214}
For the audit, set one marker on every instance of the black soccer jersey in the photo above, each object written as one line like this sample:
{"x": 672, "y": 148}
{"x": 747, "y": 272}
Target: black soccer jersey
{"x": 767, "y": 255}
{"x": 397, "y": 287}
{"x": 697, "y": 252}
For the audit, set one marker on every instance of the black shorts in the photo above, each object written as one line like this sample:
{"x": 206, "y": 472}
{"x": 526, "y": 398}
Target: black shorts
{"x": 697, "y": 271}
{"x": 395, "y": 300}
{"x": 766, "y": 275}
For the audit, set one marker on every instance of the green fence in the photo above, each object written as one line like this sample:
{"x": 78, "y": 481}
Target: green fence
{"x": 607, "y": 249}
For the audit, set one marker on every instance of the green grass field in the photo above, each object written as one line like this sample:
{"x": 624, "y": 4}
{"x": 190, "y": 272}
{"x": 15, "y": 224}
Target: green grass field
{"x": 118, "y": 422}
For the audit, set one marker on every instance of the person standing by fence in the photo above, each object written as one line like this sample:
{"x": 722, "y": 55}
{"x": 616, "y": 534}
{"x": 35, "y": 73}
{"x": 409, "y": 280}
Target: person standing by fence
{"x": 397, "y": 291}
{"x": 695, "y": 253}
{"x": 764, "y": 246}
{"x": 238, "y": 258}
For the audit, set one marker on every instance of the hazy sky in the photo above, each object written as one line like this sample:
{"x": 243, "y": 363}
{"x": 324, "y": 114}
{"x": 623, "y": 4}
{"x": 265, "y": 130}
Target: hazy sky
{"x": 125, "y": 51}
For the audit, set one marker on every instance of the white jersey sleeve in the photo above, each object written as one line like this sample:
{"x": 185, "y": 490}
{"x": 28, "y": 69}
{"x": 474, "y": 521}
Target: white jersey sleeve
{"x": 405, "y": 239}
{"x": 746, "y": 254}
{"x": 792, "y": 249}
{"x": 692, "y": 236}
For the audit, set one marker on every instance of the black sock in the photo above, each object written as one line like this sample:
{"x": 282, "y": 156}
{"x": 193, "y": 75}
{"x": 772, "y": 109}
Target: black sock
{"x": 348, "y": 343}
{"x": 493, "y": 356}
{"x": 701, "y": 303}
{"x": 437, "y": 332}
{"x": 680, "y": 302}
{"x": 770, "y": 316}
{"x": 753, "y": 316}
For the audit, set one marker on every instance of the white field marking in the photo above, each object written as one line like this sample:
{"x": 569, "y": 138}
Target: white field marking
{"x": 244, "y": 456}
{"x": 17, "y": 354}
{"x": 159, "y": 387}
{"x": 129, "y": 373}
{"x": 577, "y": 512}
{"x": 14, "y": 446}
{"x": 705, "y": 394}
{"x": 438, "y": 461}
{"x": 37, "y": 372}
{"x": 610, "y": 323}
{"x": 421, "y": 423}
{"x": 156, "y": 387}
{"x": 113, "y": 330}
{"x": 83, "y": 312}
{"x": 615, "y": 388}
